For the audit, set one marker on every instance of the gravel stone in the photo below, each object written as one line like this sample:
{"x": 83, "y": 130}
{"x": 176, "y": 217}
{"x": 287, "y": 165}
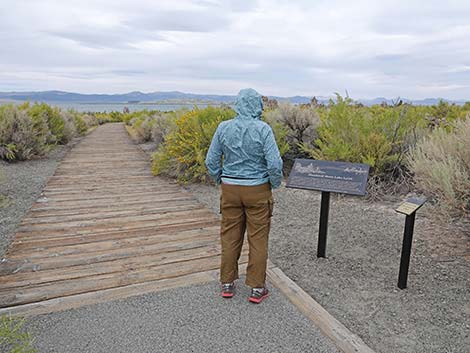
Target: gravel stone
{"x": 189, "y": 319}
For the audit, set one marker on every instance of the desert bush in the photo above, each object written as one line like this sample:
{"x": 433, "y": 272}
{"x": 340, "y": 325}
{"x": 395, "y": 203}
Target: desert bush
{"x": 81, "y": 126}
{"x": 377, "y": 136}
{"x": 184, "y": 152}
{"x": 27, "y": 130}
{"x": 19, "y": 140}
{"x": 441, "y": 166}
{"x": 55, "y": 122}
{"x": 164, "y": 124}
{"x": 442, "y": 114}
{"x": 90, "y": 120}
{"x": 13, "y": 337}
{"x": 143, "y": 127}
{"x": 69, "y": 130}
{"x": 296, "y": 124}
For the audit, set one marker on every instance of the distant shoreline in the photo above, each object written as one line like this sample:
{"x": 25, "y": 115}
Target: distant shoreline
{"x": 98, "y": 107}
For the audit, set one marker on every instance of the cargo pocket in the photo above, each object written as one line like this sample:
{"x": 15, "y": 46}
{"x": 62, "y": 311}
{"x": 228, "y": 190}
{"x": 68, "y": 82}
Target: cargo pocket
{"x": 271, "y": 206}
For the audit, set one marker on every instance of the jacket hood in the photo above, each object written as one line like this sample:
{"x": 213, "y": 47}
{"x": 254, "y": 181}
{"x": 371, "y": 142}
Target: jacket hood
{"x": 249, "y": 104}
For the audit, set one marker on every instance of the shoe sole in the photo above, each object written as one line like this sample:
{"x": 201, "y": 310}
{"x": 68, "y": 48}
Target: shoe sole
{"x": 227, "y": 295}
{"x": 258, "y": 300}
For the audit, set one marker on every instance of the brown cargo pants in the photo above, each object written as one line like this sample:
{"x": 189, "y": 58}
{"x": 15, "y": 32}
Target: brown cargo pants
{"x": 245, "y": 208}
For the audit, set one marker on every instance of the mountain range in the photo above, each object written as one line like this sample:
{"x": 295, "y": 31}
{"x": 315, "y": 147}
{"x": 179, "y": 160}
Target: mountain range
{"x": 180, "y": 97}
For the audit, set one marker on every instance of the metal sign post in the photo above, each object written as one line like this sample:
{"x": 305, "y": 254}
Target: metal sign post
{"x": 323, "y": 230}
{"x": 408, "y": 208}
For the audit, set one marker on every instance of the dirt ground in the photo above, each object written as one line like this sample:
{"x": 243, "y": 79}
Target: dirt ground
{"x": 357, "y": 282}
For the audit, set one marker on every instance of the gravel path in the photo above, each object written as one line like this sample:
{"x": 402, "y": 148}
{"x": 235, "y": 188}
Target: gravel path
{"x": 192, "y": 319}
{"x": 21, "y": 184}
{"x": 356, "y": 283}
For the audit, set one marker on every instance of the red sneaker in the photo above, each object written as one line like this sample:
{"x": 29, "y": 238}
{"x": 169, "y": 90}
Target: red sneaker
{"x": 258, "y": 295}
{"x": 227, "y": 290}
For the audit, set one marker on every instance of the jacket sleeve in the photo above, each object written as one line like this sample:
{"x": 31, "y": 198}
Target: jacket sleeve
{"x": 273, "y": 159}
{"x": 214, "y": 157}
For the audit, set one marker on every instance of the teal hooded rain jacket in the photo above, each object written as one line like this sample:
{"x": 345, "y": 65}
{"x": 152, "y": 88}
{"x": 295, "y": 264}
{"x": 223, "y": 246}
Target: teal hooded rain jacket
{"x": 243, "y": 150}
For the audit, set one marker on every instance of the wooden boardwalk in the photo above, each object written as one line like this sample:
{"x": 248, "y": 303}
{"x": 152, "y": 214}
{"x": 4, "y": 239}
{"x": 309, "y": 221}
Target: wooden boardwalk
{"x": 105, "y": 228}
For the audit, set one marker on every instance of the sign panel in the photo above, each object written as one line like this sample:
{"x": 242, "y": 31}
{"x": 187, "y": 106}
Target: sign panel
{"x": 410, "y": 205}
{"x": 340, "y": 177}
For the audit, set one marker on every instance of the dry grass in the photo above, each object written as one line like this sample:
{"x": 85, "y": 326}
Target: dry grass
{"x": 441, "y": 164}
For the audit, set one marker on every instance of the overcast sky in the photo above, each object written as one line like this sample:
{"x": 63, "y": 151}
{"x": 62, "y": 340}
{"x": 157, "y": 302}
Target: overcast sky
{"x": 370, "y": 48}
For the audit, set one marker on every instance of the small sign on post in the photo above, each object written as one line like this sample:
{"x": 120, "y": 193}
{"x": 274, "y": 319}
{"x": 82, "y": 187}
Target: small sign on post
{"x": 408, "y": 208}
{"x": 327, "y": 176}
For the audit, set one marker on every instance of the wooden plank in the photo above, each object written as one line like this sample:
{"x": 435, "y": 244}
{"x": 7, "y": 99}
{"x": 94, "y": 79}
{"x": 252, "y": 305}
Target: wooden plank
{"x": 57, "y": 212}
{"x": 106, "y": 222}
{"x": 90, "y": 298}
{"x": 201, "y": 248}
{"x": 112, "y": 190}
{"x": 129, "y": 226}
{"x": 341, "y": 336}
{"x": 104, "y": 281}
{"x": 97, "y": 216}
{"x": 23, "y": 265}
{"x": 107, "y": 246}
{"x": 109, "y": 203}
{"x": 167, "y": 190}
{"x": 116, "y": 236}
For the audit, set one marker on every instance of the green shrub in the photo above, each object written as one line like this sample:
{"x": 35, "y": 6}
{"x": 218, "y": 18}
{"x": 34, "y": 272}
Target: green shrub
{"x": 184, "y": 152}
{"x": 60, "y": 123}
{"x": 18, "y": 138}
{"x": 441, "y": 166}
{"x": 378, "y": 136}
{"x": 280, "y": 134}
{"x": 113, "y": 117}
{"x": 29, "y": 130}
{"x": 13, "y": 337}
{"x": 81, "y": 126}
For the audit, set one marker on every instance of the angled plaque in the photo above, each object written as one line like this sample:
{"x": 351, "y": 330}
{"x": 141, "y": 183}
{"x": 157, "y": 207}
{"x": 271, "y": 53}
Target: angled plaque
{"x": 410, "y": 205}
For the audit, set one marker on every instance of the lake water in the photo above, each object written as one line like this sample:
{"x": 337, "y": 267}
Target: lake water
{"x": 118, "y": 107}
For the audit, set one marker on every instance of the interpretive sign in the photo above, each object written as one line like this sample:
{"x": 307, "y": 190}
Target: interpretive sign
{"x": 340, "y": 177}
{"x": 327, "y": 176}
{"x": 410, "y": 205}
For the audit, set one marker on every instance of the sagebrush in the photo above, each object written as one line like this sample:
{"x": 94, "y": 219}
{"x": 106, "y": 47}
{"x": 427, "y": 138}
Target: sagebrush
{"x": 441, "y": 166}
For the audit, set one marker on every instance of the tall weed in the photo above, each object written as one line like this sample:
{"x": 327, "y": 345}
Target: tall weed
{"x": 441, "y": 166}
{"x": 13, "y": 337}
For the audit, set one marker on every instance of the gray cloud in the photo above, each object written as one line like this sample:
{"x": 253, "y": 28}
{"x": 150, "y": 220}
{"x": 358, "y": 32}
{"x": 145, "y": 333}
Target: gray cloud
{"x": 184, "y": 21}
{"x": 209, "y": 46}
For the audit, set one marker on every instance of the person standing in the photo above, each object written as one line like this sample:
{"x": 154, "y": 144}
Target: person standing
{"x": 244, "y": 158}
